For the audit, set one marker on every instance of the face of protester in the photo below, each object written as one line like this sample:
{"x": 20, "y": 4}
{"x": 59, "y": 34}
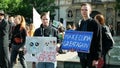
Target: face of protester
{"x": 17, "y": 20}
{"x": 11, "y": 19}
{"x": 45, "y": 20}
{"x": 1, "y": 16}
{"x": 85, "y": 11}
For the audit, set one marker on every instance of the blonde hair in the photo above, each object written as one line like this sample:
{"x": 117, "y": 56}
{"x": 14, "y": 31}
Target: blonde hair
{"x": 31, "y": 29}
{"x": 22, "y": 22}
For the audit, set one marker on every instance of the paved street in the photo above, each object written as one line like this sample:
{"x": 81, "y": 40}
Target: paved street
{"x": 29, "y": 65}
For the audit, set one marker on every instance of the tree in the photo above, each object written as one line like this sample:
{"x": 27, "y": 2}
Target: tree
{"x": 9, "y": 5}
{"x": 24, "y": 7}
{"x": 43, "y": 6}
{"x": 117, "y": 4}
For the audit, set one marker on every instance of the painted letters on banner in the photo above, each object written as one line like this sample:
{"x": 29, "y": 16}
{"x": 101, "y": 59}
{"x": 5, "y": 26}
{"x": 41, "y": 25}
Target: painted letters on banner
{"x": 78, "y": 40}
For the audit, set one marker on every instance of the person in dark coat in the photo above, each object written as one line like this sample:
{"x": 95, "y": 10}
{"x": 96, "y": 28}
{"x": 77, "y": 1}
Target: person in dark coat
{"x": 90, "y": 60}
{"x": 4, "y": 43}
{"x": 11, "y": 28}
{"x": 18, "y": 41}
{"x": 106, "y": 36}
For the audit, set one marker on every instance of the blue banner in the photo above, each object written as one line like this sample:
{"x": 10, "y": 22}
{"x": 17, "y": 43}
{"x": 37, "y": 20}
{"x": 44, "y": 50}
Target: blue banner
{"x": 78, "y": 40}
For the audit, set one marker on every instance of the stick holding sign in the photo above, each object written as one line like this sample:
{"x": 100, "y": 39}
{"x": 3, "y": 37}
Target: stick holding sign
{"x": 79, "y": 41}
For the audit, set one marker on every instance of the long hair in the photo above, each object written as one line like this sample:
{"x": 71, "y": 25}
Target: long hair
{"x": 22, "y": 22}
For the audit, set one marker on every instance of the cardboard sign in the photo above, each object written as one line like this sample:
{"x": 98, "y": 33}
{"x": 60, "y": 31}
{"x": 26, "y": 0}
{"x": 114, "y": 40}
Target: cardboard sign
{"x": 79, "y": 41}
{"x": 56, "y": 23}
{"x": 40, "y": 49}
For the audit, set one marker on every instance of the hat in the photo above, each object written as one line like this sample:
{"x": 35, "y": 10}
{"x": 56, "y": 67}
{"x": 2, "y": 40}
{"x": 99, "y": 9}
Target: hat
{"x": 1, "y": 12}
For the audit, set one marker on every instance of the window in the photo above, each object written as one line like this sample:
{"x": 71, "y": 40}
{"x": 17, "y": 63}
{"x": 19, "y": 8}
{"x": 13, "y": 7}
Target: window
{"x": 80, "y": 1}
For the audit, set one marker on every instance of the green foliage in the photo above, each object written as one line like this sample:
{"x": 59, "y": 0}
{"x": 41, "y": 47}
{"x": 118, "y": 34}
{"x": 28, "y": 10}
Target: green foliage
{"x": 117, "y": 4}
{"x": 3, "y": 4}
{"x": 24, "y": 7}
{"x": 44, "y": 6}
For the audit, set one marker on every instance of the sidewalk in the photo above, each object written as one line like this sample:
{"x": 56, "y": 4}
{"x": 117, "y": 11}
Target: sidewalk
{"x": 18, "y": 65}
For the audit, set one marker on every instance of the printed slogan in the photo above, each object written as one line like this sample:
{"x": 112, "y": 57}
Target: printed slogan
{"x": 79, "y": 41}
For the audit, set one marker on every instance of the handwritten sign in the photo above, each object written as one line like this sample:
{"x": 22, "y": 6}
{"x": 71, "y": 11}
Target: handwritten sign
{"x": 40, "y": 49}
{"x": 79, "y": 41}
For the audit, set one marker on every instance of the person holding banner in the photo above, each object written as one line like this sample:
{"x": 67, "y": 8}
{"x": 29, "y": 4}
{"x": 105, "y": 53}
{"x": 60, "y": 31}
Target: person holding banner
{"x": 45, "y": 30}
{"x": 90, "y": 60}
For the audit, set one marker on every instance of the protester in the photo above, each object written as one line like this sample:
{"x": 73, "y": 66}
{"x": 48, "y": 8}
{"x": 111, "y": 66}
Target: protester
{"x": 106, "y": 43}
{"x": 30, "y": 31}
{"x": 4, "y": 41}
{"x": 18, "y": 41}
{"x": 11, "y": 28}
{"x": 90, "y": 60}
{"x": 11, "y": 19}
{"x": 69, "y": 27}
{"x": 61, "y": 32}
{"x": 45, "y": 30}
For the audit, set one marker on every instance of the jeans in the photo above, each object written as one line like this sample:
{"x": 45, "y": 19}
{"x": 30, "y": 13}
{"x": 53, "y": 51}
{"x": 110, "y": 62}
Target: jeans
{"x": 14, "y": 54}
{"x": 46, "y": 65}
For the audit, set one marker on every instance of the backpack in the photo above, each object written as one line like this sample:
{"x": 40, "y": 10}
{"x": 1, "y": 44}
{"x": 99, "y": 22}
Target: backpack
{"x": 107, "y": 40}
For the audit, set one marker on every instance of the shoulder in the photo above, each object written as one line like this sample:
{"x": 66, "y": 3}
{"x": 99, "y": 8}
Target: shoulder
{"x": 53, "y": 28}
{"x": 106, "y": 28}
{"x": 4, "y": 22}
{"x": 92, "y": 22}
{"x": 38, "y": 29}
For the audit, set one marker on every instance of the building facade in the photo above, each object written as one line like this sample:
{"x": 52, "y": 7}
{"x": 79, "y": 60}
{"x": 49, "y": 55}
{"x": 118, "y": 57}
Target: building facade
{"x": 69, "y": 10}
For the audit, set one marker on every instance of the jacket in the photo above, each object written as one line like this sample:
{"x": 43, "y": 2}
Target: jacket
{"x": 96, "y": 43}
{"x": 20, "y": 34}
{"x": 46, "y": 31}
{"x": 4, "y": 33}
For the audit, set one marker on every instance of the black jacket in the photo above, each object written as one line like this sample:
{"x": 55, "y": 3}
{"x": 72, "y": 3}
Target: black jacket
{"x": 96, "y": 43}
{"x": 46, "y": 31}
{"x": 4, "y": 27}
{"x": 20, "y": 34}
{"x": 4, "y": 33}
{"x": 107, "y": 42}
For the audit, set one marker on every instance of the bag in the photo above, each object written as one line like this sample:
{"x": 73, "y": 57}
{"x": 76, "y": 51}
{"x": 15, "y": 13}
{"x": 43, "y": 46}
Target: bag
{"x": 18, "y": 40}
{"x": 100, "y": 63}
{"x": 109, "y": 42}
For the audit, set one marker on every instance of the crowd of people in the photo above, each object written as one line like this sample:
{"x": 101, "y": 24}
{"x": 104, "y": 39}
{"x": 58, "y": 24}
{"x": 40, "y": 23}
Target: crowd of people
{"x": 13, "y": 33}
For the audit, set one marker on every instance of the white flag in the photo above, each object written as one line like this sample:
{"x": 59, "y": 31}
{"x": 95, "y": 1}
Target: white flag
{"x": 36, "y": 18}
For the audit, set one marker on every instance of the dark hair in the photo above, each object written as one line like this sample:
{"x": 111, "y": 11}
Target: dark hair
{"x": 42, "y": 14}
{"x": 61, "y": 29}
